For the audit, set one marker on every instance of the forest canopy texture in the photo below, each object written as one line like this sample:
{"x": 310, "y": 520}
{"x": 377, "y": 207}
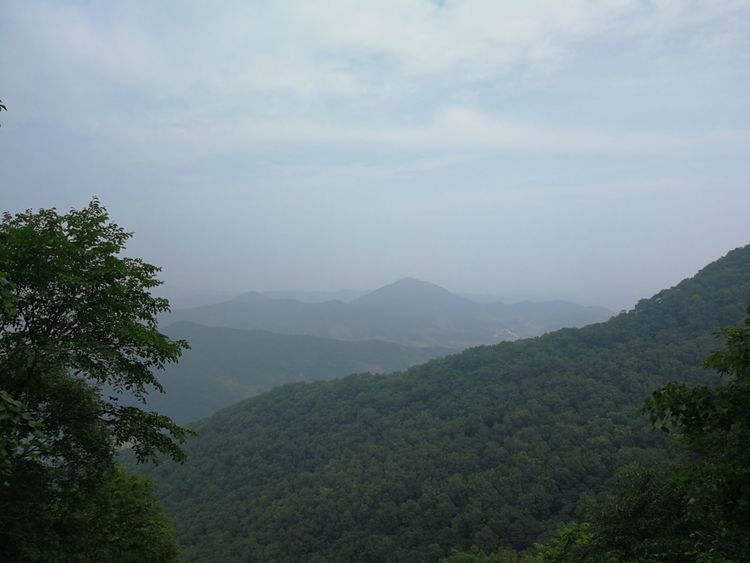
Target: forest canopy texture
{"x": 696, "y": 509}
{"x": 492, "y": 449}
{"x": 479, "y": 456}
{"x": 77, "y": 316}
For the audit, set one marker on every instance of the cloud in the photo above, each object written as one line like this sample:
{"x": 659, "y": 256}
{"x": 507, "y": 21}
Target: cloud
{"x": 482, "y": 128}
{"x": 186, "y": 78}
{"x": 451, "y": 128}
{"x": 346, "y": 48}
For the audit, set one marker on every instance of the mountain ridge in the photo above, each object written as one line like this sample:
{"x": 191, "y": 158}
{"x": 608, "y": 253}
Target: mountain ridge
{"x": 494, "y": 447}
{"x": 225, "y": 365}
{"x": 408, "y": 312}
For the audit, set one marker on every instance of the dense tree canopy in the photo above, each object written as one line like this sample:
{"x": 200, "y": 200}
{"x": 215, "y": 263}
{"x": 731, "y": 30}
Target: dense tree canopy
{"x": 494, "y": 448}
{"x": 75, "y": 316}
{"x": 695, "y": 510}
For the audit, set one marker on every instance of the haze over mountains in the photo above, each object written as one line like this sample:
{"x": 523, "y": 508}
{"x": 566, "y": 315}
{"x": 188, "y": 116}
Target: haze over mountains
{"x": 408, "y": 312}
{"x": 546, "y": 164}
{"x": 255, "y": 341}
{"x": 495, "y": 447}
{"x": 226, "y": 365}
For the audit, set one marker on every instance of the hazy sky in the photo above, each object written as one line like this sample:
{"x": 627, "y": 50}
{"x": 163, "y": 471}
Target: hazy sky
{"x": 590, "y": 150}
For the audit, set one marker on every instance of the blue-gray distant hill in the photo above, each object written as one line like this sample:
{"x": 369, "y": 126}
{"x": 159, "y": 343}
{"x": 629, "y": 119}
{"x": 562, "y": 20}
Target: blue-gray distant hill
{"x": 409, "y": 312}
{"x": 226, "y": 365}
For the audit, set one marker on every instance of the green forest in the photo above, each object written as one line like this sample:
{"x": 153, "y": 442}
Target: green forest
{"x": 620, "y": 441}
{"x": 398, "y": 281}
{"x": 496, "y": 448}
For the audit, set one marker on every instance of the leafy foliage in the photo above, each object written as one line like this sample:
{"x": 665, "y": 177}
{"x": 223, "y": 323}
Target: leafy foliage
{"x": 21, "y": 436}
{"x": 570, "y": 544}
{"x": 118, "y": 520}
{"x": 75, "y": 316}
{"x": 6, "y": 295}
{"x": 500, "y": 556}
{"x": 494, "y": 448}
{"x": 698, "y": 509}
{"x": 80, "y": 311}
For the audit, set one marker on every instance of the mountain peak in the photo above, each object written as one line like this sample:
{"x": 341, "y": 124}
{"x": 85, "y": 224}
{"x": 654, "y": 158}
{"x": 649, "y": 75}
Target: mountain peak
{"x": 405, "y": 283}
{"x": 411, "y": 293}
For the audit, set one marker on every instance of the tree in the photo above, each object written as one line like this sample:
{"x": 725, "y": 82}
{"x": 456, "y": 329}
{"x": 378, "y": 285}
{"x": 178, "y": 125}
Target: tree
{"x": 76, "y": 318}
{"x": 122, "y": 522}
{"x": 84, "y": 312}
{"x": 694, "y": 510}
{"x": 714, "y": 424}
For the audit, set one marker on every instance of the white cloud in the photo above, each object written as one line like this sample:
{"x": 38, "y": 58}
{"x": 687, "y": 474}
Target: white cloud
{"x": 243, "y": 116}
{"x": 454, "y": 128}
{"x": 344, "y": 48}
{"x": 231, "y": 75}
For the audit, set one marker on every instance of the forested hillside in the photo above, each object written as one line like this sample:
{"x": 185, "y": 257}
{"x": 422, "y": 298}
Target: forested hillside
{"x": 408, "y": 312}
{"x": 496, "y": 446}
{"x": 225, "y": 365}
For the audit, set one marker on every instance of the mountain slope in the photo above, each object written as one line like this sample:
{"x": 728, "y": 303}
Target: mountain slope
{"x": 226, "y": 365}
{"x": 409, "y": 312}
{"x": 496, "y": 446}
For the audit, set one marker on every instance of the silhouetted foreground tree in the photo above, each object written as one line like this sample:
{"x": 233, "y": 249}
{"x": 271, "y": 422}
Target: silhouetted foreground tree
{"x": 76, "y": 317}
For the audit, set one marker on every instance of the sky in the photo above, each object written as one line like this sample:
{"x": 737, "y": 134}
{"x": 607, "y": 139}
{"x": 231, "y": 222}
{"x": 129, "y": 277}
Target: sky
{"x": 595, "y": 151}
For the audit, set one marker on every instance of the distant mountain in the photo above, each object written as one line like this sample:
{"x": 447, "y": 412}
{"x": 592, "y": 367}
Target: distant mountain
{"x": 495, "y": 447}
{"x": 344, "y": 295}
{"x": 226, "y": 365}
{"x": 414, "y": 298}
{"x": 409, "y": 312}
